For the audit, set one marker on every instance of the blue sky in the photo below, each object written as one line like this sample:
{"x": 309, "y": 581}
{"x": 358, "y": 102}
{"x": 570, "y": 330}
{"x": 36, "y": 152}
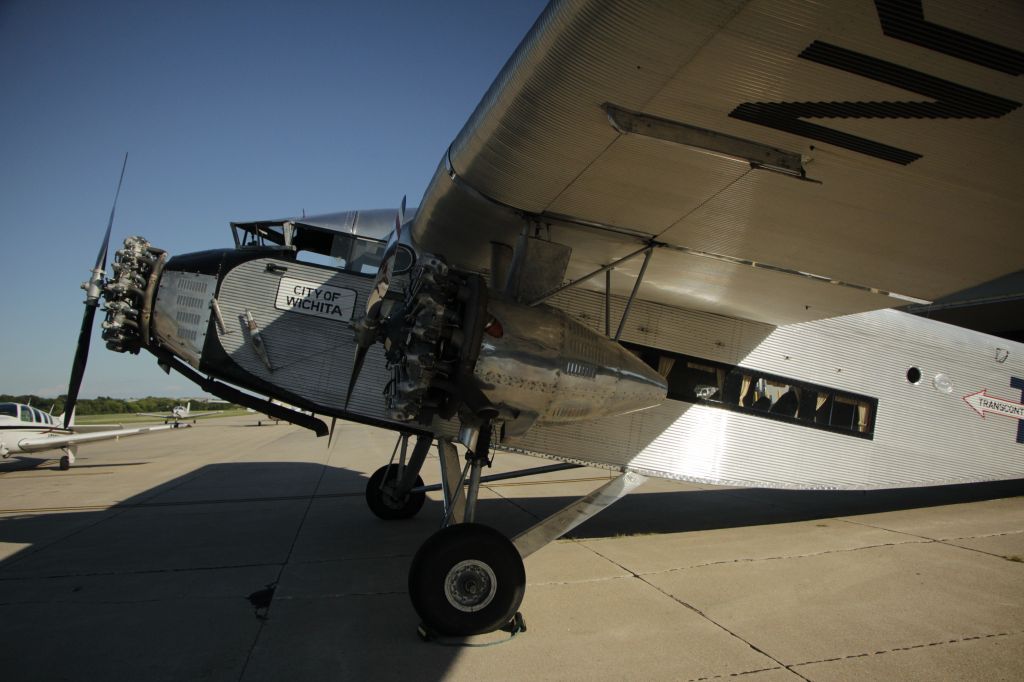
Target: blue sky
{"x": 229, "y": 110}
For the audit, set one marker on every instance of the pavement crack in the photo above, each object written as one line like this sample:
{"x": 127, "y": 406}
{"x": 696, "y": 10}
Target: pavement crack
{"x": 739, "y": 674}
{"x": 144, "y": 571}
{"x": 516, "y": 505}
{"x": 747, "y": 560}
{"x": 948, "y": 542}
{"x": 700, "y": 613}
{"x": 911, "y": 647}
{"x": 291, "y": 549}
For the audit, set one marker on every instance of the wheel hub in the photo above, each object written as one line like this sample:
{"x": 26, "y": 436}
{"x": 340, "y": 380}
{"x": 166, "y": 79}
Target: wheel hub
{"x": 470, "y": 585}
{"x": 390, "y": 499}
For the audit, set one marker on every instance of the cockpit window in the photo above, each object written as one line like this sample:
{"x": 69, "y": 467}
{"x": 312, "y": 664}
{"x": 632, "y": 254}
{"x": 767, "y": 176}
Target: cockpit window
{"x": 8, "y": 410}
{"x": 26, "y": 413}
{"x": 348, "y": 253}
{"x": 364, "y": 256}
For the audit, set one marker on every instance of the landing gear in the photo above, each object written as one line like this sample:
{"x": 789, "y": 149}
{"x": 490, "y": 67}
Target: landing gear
{"x": 395, "y": 491}
{"x": 384, "y": 500}
{"x": 67, "y": 460}
{"x": 467, "y": 579}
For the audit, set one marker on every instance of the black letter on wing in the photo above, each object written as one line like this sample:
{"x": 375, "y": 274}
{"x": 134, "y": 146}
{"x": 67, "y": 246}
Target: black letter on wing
{"x": 950, "y": 101}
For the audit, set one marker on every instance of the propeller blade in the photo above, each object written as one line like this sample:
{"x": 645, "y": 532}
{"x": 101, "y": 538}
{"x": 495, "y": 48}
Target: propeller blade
{"x": 357, "y": 367}
{"x": 400, "y": 219}
{"x": 78, "y": 365}
{"x": 92, "y": 301}
{"x": 101, "y": 257}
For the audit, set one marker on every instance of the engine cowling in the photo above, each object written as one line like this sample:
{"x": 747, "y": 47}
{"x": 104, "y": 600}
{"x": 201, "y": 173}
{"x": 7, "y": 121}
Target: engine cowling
{"x": 545, "y": 367}
{"x": 454, "y": 347}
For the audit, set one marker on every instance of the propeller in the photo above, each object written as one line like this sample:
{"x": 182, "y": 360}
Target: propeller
{"x": 366, "y": 328}
{"x": 93, "y": 287}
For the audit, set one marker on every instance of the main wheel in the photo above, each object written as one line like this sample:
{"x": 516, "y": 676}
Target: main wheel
{"x": 467, "y": 579}
{"x": 381, "y": 498}
{"x": 65, "y": 463}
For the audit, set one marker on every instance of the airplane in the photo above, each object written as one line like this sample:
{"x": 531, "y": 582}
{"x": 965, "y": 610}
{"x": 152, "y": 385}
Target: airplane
{"x": 673, "y": 240}
{"x": 178, "y": 413}
{"x": 25, "y": 429}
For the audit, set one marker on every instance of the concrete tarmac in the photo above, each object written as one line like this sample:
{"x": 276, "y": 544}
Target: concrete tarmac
{"x": 136, "y": 565}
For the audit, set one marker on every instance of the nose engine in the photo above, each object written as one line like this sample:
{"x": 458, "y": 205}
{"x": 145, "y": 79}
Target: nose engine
{"x": 452, "y": 347}
{"x": 129, "y": 294}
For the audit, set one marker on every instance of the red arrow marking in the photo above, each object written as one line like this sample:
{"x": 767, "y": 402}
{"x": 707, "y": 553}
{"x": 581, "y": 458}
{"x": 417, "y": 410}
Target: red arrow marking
{"x": 981, "y": 402}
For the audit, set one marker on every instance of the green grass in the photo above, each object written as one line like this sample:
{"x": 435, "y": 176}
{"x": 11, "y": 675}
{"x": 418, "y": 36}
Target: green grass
{"x": 124, "y": 418}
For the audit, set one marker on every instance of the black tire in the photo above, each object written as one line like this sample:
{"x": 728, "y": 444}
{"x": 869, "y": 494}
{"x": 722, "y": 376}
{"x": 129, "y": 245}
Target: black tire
{"x": 474, "y": 566}
{"x": 65, "y": 463}
{"x": 385, "y": 505}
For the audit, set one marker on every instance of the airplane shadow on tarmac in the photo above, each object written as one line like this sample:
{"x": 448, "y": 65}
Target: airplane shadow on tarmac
{"x": 157, "y": 585}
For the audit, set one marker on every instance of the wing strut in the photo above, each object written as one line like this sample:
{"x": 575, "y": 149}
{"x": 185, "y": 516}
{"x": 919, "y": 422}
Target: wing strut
{"x": 595, "y": 273}
{"x": 607, "y": 270}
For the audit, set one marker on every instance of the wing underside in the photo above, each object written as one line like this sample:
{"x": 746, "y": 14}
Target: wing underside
{"x": 790, "y": 161}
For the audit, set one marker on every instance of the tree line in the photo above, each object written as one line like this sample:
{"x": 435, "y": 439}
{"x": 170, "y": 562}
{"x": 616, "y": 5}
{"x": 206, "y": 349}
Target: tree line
{"x": 106, "y": 405}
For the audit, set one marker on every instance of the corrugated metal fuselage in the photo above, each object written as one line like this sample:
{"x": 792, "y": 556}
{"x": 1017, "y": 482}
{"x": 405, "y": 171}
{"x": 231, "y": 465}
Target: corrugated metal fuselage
{"x": 913, "y": 374}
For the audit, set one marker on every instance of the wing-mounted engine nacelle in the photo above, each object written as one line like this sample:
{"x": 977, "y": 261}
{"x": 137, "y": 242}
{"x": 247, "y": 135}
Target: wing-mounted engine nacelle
{"x": 453, "y": 347}
{"x": 538, "y": 365}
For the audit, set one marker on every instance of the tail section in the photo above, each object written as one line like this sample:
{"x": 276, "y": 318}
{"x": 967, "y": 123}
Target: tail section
{"x": 60, "y": 417}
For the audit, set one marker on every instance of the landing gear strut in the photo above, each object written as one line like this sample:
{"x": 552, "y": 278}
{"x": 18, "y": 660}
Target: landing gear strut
{"x": 467, "y": 578}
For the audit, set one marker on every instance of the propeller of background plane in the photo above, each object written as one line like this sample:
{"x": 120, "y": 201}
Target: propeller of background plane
{"x": 92, "y": 287}
{"x": 366, "y": 328}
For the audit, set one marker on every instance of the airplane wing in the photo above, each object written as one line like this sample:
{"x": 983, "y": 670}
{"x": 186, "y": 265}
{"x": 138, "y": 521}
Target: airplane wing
{"x": 791, "y": 161}
{"x": 53, "y": 442}
{"x": 193, "y": 415}
{"x": 154, "y": 414}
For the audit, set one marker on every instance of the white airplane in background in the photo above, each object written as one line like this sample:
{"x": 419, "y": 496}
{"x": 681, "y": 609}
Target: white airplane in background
{"x": 672, "y": 240}
{"x": 26, "y": 429}
{"x": 178, "y": 414}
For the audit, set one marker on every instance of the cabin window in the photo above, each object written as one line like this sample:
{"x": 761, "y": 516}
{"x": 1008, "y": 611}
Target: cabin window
{"x": 26, "y": 413}
{"x": 696, "y": 380}
{"x": 37, "y": 416}
{"x": 8, "y": 410}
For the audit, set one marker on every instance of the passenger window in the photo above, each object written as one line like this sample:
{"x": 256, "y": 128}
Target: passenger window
{"x": 26, "y": 413}
{"x": 696, "y": 380}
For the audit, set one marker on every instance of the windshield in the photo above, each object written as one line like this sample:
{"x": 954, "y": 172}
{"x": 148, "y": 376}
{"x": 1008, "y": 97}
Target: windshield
{"x": 8, "y": 410}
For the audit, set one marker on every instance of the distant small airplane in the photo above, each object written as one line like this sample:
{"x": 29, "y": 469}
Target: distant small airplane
{"x": 178, "y": 414}
{"x": 25, "y": 429}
